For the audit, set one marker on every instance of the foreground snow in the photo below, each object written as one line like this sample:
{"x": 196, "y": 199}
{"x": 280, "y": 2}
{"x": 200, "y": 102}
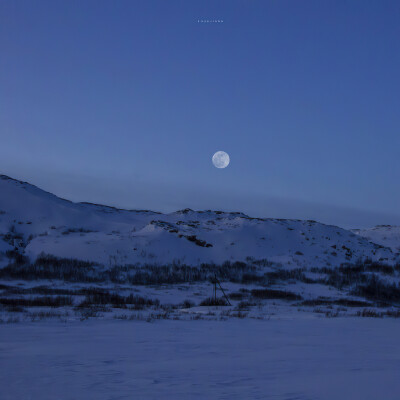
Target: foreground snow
{"x": 299, "y": 358}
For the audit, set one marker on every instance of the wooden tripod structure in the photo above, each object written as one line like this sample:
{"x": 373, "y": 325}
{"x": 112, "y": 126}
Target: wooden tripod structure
{"x": 217, "y": 282}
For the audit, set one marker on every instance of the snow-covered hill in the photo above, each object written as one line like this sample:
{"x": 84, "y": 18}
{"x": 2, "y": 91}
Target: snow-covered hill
{"x": 385, "y": 235}
{"x": 36, "y": 221}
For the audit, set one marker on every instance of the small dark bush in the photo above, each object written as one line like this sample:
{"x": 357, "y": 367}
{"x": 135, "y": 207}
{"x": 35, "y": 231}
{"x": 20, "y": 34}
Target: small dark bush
{"x": 369, "y": 314}
{"x": 39, "y": 290}
{"x": 322, "y": 301}
{"x": 41, "y": 315}
{"x": 245, "y": 305}
{"x": 14, "y": 308}
{"x": 284, "y": 275}
{"x": 199, "y": 242}
{"x": 236, "y": 295}
{"x": 239, "y": 314}
{"x": 393, "y": 313}
{"x": 187, "y": 304}
{"x": 76, "y": 230}
{"x": 274, "y": 294}
{"x": 351, "y": 303}
{"x": 96, "y": 297}
{"x": 45, "y": 301}
{"x": 252, "y": 278}
{"x": 219, "y": 301}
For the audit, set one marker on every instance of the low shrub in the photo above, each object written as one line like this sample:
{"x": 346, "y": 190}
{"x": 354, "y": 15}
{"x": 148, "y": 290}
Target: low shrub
{"x": 285, "y": 275}
{"x": 321, "y": 301}
{"x": 236, "y": 295}
{"x": 245, "y": 305}
{"x": 369, "y": 314}
{"x": 96, "y": 297}
{"x": 45, "y": 301}
{"x": 49, "y": 267}
{"x": 378, "y": 290}
{"x": 274, "y": 294}
{"x": 187, "y": 304}
{"x": 210, "y": 301}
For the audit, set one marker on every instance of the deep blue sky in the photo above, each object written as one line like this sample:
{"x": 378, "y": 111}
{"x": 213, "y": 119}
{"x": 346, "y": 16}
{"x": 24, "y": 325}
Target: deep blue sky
{"x": 125, "y": 102}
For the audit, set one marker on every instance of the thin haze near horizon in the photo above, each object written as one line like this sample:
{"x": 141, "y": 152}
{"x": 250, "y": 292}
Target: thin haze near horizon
{"x": 124, "y": 103}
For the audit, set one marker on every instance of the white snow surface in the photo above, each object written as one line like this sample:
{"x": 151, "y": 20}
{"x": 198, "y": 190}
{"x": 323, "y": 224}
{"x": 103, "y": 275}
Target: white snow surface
{"x": 301, "y": 358}
{"x": 385, "y": 235}
{"x": 43, "y": 222}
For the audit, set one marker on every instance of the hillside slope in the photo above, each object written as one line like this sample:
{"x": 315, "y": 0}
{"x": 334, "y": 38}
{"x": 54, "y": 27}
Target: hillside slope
{"x": 35, "y": 221}
{"x": 385, "y": 235}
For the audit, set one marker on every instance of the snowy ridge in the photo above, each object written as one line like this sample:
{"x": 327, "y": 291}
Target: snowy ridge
{"x": 35, "y": 221}
{"x": 385, "y": 235}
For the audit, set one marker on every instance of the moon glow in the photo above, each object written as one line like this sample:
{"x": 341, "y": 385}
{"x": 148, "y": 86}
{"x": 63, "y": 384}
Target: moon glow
{"x": 221, "y": 159}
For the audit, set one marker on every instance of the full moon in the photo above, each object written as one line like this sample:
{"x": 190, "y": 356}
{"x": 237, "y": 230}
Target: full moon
{"x": 221, "y": 159}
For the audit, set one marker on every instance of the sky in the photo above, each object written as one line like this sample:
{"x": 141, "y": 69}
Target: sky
{"x": 125, "y": 102}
